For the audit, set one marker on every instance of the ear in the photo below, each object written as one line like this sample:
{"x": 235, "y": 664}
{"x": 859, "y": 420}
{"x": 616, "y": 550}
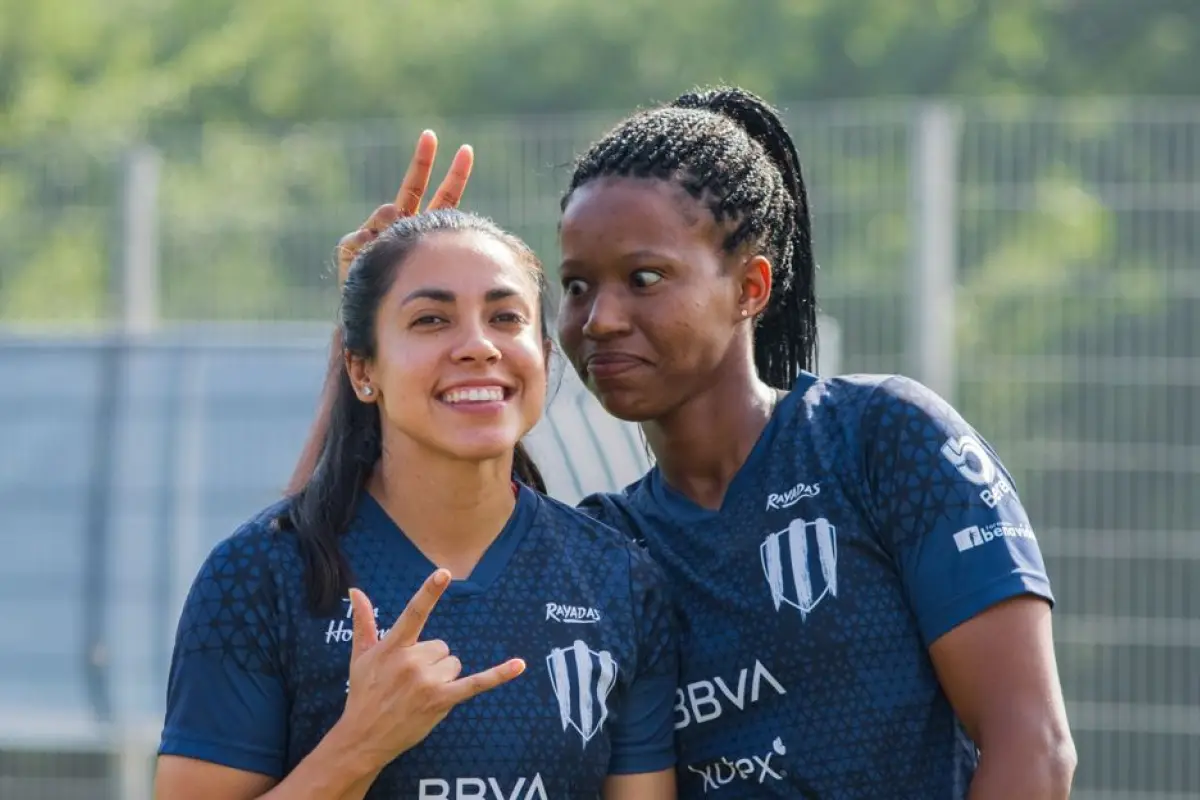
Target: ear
{"x": 359, "y": 370}
{"x": 754, "y": 287}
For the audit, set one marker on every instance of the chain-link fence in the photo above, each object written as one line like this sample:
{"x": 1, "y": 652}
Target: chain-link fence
{"x": 1038, "y": 264}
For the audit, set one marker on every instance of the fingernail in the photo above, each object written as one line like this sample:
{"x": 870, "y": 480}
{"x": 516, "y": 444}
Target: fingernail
{"x": 441, "y": 577}
{"x": 516, "y": 667}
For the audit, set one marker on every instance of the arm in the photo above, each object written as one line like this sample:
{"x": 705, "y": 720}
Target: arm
{"x": 646, "y": 786}
{"x": 335, "y": 770}
{"x": 226, "y": 730}
{"x": 227, "y": 711}
{"x": 976, "y": 581}
{"x": 999, "y": 672}
{"x": 642, "y": 765}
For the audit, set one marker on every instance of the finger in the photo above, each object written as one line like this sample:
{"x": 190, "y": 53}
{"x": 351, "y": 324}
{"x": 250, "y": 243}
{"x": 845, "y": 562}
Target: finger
{"x": 429, "y": 652}
{"x": 366, "y": 634}
{"x": 472, "y": 685}
{"x": 416, "y": 179}
{"x": 382, "y": 217}
{"x": 446, "y": 670}
{"x": 349, "y": 247}
{"x": 412, "y": 620}
{"x": 450, "y": 193}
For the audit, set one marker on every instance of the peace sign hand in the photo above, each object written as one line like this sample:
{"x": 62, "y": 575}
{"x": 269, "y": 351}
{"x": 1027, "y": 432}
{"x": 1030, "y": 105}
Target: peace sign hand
{"x": 400, "y": 687}
{"x": 408, "y": 199}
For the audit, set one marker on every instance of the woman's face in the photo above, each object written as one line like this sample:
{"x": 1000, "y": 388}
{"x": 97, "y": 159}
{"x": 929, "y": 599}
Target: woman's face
{"x": 650, "y": 309}
{"x": 460, "y": 362}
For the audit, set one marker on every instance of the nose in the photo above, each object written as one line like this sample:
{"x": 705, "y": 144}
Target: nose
{"x": 475, "y": 344}
{"x": 607, "y": 316}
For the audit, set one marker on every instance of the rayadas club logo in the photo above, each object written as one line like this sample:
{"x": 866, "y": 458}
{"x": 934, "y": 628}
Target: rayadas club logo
{"x": 582, "y": 680}
{"x": 800, "y": 564}
{"x": 792, "y": 496}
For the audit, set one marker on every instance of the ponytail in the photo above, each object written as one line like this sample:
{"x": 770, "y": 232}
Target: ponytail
{"x": 785, "y": 342}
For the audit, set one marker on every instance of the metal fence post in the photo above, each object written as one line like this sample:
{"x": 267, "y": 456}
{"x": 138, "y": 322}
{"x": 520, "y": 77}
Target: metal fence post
{"x": 933, "y": 181}
{"x": 139, "y": 295}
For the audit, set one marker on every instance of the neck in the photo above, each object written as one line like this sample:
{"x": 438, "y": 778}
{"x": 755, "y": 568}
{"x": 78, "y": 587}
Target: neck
{"x": 732, "y": 414}
{"x": 451, "y": 509}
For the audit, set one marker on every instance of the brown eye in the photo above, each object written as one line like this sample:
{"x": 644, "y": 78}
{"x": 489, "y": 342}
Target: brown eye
{"x": 509, "y": 318}
{"x": 644, "y": 278}
{"x": 425, "y": 320}
{"x": 574, "y": 286}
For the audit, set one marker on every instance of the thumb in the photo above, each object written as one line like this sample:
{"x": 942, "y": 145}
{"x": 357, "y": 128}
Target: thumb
{"x": 366, "y": 634}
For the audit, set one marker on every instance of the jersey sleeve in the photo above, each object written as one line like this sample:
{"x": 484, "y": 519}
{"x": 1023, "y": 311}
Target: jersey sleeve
{"x": 643, "y": 735}
{"x": 946, "y": 508}
{"x": 611, "y": 510}
{"x": 226, "y": 701}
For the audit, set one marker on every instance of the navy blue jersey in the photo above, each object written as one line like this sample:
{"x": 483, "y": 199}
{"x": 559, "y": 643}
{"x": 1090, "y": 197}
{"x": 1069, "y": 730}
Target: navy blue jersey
{"x": 868, "y": 521}
{"x": 256, "y": 680}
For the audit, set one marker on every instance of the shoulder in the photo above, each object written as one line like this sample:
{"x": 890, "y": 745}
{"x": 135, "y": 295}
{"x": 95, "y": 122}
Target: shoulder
{"x": 253, "y": 567}
{"x": 603, "y": 528}
{"x": 258, "y": 547}
{"x": 618, "y": 510}
{"x": 596, "y": 523}
{"x": 237, "y": 601}
{"x": 861, "y": 392}
{"x": 875, "y": 403}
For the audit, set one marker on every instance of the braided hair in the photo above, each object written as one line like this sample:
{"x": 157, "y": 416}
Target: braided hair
{"x": 729, "y": 150}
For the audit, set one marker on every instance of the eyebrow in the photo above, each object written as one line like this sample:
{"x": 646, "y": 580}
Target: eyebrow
{"x": 447, "y": 296}
{"x": 631, "y": 256}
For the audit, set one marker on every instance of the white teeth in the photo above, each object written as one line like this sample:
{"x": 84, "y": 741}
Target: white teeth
{"x": 475, "y": 394}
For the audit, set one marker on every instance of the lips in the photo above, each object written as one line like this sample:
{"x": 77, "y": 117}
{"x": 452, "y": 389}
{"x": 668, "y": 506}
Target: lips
{"x": 610, "y": 365}
{"x": 477, "y": 395}
{"x": 474, "y": 394}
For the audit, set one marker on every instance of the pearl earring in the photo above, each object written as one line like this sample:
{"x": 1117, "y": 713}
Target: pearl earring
{"x": 367, "y": 391}
{"x": 745, "y": 313}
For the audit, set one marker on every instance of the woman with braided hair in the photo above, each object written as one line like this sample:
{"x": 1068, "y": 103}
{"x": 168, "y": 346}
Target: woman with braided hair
{"x": 864, "y": 609}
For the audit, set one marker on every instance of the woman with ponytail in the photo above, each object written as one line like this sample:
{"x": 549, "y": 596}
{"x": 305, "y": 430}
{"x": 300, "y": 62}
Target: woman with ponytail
{"x": 313, "y": 657}
{"x": 864, "y": 609}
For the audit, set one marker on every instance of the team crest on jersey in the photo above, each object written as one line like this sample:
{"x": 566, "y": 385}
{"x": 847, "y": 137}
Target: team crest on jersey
{"x": 800, "y": 564}
{"x": 582, "y": 680}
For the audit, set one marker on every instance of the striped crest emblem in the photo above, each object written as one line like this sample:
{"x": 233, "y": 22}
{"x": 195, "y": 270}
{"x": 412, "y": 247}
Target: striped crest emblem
{"x": 801, "y": 564}
{"x": 582, "y": 680}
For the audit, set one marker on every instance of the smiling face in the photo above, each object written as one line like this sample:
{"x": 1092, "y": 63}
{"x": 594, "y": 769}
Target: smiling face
{"x": 651, "y": 309}
{"x": 459, "y": 363}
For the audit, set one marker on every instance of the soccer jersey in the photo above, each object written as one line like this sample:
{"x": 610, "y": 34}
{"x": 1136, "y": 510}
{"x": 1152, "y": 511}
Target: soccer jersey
{"x": 868, "y": 520}
{"x": 256, "y": 680}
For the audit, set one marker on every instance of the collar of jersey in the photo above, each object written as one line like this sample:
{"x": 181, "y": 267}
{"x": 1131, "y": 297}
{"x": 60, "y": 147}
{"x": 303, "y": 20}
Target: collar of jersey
{"x": 681, "y": 509}
{"x": 494, "y": 559}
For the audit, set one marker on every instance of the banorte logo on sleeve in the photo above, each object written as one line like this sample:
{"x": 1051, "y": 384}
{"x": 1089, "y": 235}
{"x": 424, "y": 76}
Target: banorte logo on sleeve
{"x": 972, "y": 461}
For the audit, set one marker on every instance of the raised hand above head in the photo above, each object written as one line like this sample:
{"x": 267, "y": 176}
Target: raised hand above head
{"x": 408, "y": 198}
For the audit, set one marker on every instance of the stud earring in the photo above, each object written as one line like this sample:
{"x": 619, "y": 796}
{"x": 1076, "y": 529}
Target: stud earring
{"x": 367, "y": 391}
{"x": 745, "y": 313}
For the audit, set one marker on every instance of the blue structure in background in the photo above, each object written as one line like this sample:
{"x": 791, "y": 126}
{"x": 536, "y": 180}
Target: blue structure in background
{"x": 123, "y": 461}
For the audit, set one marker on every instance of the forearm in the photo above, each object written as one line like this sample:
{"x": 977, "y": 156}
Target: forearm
{"x": 316, "y": 434}
{"x": 1042, "y": 773}
{"x": 337, "y": 769}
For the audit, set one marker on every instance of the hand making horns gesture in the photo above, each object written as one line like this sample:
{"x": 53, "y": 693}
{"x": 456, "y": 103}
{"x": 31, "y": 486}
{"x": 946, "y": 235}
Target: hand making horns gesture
{"x": 402, "y": 687}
